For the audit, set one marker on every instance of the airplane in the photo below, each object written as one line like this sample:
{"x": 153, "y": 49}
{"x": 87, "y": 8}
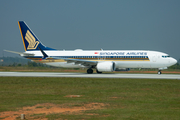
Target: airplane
{"x": 100, "y": 60}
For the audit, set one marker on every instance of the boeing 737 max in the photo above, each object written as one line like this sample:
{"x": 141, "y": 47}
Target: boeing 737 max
{"x": 101, "y": 60}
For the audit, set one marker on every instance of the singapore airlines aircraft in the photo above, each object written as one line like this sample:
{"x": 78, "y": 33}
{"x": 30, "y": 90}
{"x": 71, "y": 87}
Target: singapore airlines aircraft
{"x": 100, "y": 60}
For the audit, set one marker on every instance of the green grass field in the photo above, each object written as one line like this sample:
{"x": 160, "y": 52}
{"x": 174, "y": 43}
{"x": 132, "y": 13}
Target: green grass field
{"x": 130, "y": 99}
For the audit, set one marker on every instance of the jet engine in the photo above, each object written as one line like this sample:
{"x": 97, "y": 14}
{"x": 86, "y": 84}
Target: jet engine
{"x": 106, "y": 66}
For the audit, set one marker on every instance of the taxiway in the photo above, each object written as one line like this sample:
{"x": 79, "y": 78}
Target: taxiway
{"x": 84, "y": 75}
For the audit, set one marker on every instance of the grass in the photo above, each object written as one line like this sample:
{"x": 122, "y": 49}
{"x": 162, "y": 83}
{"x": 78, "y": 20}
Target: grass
{"x": 132, "y": 99}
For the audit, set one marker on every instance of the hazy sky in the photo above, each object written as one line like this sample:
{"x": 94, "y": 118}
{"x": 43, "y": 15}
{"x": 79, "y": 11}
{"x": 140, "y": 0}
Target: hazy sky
{"x": 93, "y": 24}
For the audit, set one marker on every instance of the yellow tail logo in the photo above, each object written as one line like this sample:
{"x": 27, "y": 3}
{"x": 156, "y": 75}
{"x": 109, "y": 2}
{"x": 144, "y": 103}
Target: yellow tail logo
{"x": 31, "y": 40}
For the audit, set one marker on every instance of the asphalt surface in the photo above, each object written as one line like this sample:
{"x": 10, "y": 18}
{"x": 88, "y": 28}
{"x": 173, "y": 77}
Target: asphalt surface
{"x": 84, "y": 75}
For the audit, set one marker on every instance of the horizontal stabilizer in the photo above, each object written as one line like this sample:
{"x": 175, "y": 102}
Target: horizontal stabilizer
{"x": 20, "y": 53}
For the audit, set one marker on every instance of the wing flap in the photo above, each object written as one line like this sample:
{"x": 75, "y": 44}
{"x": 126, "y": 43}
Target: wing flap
{"x": 79, "y": 61}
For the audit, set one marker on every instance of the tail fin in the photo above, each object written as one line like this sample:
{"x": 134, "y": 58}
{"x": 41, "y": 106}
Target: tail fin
{"x": 30, "y": 40}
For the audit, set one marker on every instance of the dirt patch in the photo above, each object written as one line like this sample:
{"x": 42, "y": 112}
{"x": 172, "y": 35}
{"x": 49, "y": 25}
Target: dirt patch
{"x": 48, "y": 108}
{"x": 114, "y": 97}
{"x": 72, "y": 96}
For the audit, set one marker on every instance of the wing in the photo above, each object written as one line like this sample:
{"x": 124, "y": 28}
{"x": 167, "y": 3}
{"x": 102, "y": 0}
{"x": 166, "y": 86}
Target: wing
{"x": 79, "y": 61}
{"x": 87, "y": 63}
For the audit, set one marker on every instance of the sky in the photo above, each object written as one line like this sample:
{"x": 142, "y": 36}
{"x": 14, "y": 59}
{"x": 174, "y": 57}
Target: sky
{"x": 93, "y": 24}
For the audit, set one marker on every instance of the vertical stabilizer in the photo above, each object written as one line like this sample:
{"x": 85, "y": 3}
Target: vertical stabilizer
{"x": 29, "y": 39}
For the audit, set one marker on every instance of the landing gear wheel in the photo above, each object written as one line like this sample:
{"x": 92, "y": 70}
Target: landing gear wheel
{"x": 98, "y": 71}
{"x": 159, "y": 72}
{"x": 89, "y": 71}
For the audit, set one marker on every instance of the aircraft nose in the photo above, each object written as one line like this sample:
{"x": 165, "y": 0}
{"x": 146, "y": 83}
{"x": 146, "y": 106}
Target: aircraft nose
{"x": 174, "y": 61}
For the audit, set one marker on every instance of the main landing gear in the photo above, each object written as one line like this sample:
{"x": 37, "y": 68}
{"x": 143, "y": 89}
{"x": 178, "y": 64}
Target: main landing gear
{"x": 89, "y": 71}
{"x": 159, "y": 72}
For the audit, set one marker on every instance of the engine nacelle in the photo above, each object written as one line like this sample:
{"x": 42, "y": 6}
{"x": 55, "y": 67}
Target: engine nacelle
{"x": 106, "y": 66}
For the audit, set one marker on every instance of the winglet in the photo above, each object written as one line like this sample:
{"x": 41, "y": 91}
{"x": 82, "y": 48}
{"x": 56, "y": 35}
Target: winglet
{"x": 44, "y": 54}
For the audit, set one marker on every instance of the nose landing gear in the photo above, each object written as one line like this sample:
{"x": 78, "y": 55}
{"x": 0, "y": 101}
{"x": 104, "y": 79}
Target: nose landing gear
{"x": 159, "y": 72}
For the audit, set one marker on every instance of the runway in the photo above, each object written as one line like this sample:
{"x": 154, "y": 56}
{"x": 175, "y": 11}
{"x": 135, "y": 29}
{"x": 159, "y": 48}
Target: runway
{"x": 84, "y": 75}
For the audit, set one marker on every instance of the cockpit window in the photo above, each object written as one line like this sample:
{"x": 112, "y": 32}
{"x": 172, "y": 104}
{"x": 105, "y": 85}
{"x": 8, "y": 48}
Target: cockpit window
{"x": 165, "y": 56}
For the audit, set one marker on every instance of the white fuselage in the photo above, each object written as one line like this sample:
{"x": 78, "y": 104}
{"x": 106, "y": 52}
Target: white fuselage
{"x": 121, "y": 58}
